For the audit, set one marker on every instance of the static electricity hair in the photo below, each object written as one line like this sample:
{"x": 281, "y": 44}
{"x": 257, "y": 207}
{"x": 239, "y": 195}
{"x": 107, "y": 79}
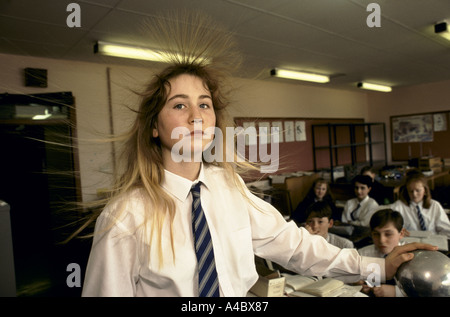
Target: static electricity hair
{"x": 193, "y": 45}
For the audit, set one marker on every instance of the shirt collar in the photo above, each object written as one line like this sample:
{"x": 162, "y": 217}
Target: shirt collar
{"x": 415, "y": 204}
{"x": 179, "y": 186}
{"x": 364, "y": 200}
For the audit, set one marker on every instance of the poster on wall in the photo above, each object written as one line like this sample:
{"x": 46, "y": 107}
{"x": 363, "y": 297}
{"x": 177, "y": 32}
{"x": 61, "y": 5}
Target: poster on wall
{"x": 417, "y": 128}
{"x": 300, "y": 131}
{"x": 289, "y": 131}
{"x": 277, "y": 132}
{"x": 440, "y": 122}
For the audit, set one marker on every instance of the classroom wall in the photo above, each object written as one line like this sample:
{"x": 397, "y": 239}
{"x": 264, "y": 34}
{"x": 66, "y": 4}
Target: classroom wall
{"x": 89, "y": 84}
{"x": 431, "y": 97}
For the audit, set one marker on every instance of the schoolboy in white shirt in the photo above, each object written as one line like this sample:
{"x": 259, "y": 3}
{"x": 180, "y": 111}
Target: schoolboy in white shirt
{"x": 387, "y": 231}
{"x": 358, "y": 210}
{"x": 319, "y": 220}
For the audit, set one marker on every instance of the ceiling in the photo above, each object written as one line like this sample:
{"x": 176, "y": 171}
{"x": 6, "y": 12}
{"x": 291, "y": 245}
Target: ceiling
{"x": 323, "y": 36}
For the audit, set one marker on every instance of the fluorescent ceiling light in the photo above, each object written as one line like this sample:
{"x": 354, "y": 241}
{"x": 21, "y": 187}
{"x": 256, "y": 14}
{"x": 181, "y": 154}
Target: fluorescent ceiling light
{"x": 374, "y": 87}
{"x": 128, "y": 51}
{"x": 42, "y": 116}
{"x": 142, "y": 53}
{"x": 289, "y": 74}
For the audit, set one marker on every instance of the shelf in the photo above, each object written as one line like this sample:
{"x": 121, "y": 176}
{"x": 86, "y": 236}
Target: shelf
{"x": 337, "y": 146}
{"x": 353, "y": 134}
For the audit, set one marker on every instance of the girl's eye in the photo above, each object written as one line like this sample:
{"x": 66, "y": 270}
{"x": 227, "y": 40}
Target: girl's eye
{"x": 204, "y": 106}
{"x": 179, "y": 106}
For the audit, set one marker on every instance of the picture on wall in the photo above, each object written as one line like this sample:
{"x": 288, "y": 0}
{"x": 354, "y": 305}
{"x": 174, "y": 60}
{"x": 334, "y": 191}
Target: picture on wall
{"x": 440, "y": 122}
{"x": 300, "y": 131}
{"x": 289, "y": 131}
{"x": 277, "y": 131}
{"x": 417, "y": 128}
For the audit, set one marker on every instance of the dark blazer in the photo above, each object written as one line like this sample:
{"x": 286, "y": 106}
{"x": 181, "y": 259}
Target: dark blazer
{"x": 299, "y": 215}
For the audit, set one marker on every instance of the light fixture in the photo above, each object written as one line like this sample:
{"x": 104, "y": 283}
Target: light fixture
{"x": 128, "y": 51}
{"x": 441, "y": 29}
{"x": 143, "y": 53}
{"x": 375, "y": 87}
{"x": 289, "y": 74}
{"x": 42, "y": 116}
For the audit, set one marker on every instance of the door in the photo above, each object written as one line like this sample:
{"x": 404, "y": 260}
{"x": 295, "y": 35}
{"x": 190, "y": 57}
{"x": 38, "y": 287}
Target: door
{"x": 38, "y": 182}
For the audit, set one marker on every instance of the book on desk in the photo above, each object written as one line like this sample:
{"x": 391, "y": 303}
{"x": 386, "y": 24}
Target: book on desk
{"x": 439, "y": 240}
{"x": 312, "y": 286}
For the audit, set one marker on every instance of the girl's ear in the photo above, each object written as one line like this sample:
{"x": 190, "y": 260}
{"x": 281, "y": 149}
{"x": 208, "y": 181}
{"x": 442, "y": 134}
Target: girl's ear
{"x": 155, "y": 131}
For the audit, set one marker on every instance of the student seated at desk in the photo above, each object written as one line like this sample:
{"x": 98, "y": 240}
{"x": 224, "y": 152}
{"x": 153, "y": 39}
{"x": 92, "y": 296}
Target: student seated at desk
{"x": 386, "y": 226}
{"x": 319, "y": 221}
{"x": 418, "y": 209}
{"x": 358, "y": 210}
{"x": 319, "y": 191}
{"x": 378, "y": 191}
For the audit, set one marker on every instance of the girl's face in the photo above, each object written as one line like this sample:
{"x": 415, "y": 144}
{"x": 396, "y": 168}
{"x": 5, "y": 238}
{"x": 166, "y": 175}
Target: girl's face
{"x": 320, "y": 190}
{"x": 187, "y": 114}
{"x": 416, "y": 191}
{"x": 387, "y": 237}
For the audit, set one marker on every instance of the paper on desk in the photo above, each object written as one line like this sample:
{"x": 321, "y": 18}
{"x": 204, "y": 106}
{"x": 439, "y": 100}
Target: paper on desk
{"x": 438, "y": 240}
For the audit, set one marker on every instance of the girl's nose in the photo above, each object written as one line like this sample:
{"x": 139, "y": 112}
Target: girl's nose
{"x": 195, "y": 115}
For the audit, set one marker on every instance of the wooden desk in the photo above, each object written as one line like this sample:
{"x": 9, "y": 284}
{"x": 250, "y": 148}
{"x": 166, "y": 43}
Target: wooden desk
{"x": 441, "y": 179}
{"x": 345, "y": 191}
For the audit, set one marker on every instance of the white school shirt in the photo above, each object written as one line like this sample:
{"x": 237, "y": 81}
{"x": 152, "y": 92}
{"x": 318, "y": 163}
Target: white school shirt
{"x": 117, "y": 267}
{"x": 436, "y": 220}
{"x": 364, "y": 213}
{"x": 338, "y": 241}
{"x": 372, "y": 250}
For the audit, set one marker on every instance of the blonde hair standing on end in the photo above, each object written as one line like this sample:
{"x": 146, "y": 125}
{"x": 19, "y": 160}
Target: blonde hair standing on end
{"x": 194, "y": 46}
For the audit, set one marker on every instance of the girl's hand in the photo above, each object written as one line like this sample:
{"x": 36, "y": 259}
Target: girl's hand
{"x": 402, "y": 254}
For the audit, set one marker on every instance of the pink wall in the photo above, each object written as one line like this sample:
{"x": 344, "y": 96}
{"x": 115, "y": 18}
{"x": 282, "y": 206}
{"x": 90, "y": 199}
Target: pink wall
{"x": 431, "y": 97}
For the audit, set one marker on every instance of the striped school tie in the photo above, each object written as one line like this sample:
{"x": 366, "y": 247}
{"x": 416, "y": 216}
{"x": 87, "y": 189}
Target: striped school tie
{"x": 421, "y": 221}
{"x": 353, "y": 214}
{"x": 208, "y": 284}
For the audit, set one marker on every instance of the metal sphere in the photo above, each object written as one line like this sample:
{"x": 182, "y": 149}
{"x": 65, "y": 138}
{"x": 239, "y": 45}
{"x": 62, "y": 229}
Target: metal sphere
{"x": 426, "y": 275}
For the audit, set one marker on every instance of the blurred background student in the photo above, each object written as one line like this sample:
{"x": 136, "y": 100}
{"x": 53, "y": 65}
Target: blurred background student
{"x": 358, "y": 210}
{"x": 319, "y": 191}
{"x": 419, "y": 211}
{"x": 318, "y": 222}
{"x": 379, "y": 192}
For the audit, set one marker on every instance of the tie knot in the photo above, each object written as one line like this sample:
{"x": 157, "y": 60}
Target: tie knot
{"x": 195, "y": 189}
